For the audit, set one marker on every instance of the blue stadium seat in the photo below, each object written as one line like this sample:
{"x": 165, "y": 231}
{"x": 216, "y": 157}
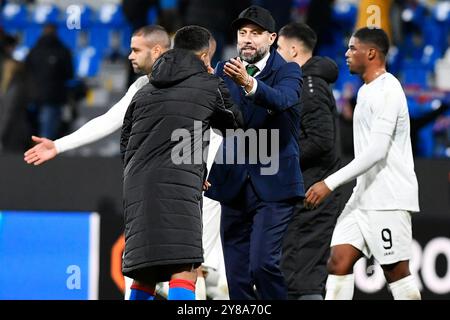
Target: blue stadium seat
{"x": 345, "y": 79}
{"x": 414, "y": 108}
{"x": 414, "y": 14}
{"x": 344, "y": 14}
{"x": 125, "y": 39}
{"x": 429, "y": 56}
{"x": 425, "y": 137}
{"x": 441, "y": 12}
{"x": 45, "y": 13}
{"x": 436, "y": 35}
{"x": 109, "y": 23}
{"x": 168, "y": 4}
{"x": 426, "y": 142}
{"x": 441, "y": 23}
{"x": 86, "y": 62}
{"x": 152, "y": 15}
{"x": 111, "y": 15}
{"x": 31, "y": 35}
{"x": 394, "y": 60}
{"x": 14, "y": 18}
{"x": 343, "y": 21}
{"x": 414, "y": 73}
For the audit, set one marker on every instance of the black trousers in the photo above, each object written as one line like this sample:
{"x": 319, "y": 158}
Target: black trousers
{"x": 306, "y": 247}
{"x": 252, "y": 233}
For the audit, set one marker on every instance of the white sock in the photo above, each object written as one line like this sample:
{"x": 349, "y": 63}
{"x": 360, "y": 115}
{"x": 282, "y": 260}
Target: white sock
{"x": 128, "y": 283}
{"x": 405, "y": 289}
{"x": 200, "y": 289}
{"x": 340, "y": 287}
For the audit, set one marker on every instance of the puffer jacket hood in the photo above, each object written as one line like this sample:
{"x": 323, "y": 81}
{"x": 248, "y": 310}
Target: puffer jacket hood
{"x": 321, "y": 67}
{"x": 174, "y": 66}
{"x": 161, "y": 195}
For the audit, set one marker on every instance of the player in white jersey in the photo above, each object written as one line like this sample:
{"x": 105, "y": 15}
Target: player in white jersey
{"x": 376, "y": 220}
{"x": 147, "y": 45}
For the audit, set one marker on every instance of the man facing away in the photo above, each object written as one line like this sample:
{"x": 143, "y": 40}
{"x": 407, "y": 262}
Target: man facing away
{"x": 377, "y": 218}
{"x": 257, "y": 204}
{"x": 163, "y": 176}
{"x": 306, "y": 245}
{"x": 147, "y": 45}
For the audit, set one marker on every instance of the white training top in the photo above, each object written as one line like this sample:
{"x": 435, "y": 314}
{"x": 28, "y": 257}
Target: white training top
{"x": 103, "y": 125}
{"x": 383, "y": 164}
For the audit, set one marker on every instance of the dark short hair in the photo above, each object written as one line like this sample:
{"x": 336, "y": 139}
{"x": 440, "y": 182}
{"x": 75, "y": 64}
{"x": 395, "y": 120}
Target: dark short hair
{"x": 193, "y": 38}
{"x": 156, "y": 32}
{"x": 300, "y": 31}
{"x": 374, "y": 36}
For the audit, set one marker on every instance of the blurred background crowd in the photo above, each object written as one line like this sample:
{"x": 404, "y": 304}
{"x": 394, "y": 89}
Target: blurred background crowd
{"x": 90, "y": 42}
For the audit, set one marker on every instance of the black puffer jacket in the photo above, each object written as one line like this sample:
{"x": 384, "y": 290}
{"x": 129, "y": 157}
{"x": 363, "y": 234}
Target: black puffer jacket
{"x": 163, "y": 224}
{"x": 319, "y": 155}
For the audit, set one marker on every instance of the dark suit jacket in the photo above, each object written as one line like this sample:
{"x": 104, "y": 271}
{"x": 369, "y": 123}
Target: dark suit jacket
{"x": 275, "y": 105}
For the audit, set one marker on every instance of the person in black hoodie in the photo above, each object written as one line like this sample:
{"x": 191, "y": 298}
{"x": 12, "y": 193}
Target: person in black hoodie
{"x": 307, "y": 240}
{"x": 163, "y": 175}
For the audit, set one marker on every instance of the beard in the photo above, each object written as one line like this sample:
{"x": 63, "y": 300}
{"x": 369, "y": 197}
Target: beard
{"x": 257, "y": 56}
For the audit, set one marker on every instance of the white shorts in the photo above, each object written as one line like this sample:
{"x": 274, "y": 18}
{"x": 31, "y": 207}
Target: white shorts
{"x": 387, "y": 235}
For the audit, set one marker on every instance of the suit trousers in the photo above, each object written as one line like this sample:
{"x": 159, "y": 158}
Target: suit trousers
{"x": 252, "y": 233}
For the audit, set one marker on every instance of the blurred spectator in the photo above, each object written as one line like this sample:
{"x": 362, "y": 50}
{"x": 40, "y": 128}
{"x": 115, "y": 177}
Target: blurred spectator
{"x": 49, "y": 68}
{"x": 14, "y": 130}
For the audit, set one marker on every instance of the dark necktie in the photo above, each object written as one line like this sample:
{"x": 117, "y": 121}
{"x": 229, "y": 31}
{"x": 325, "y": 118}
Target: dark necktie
{"x": 251, "y": 69}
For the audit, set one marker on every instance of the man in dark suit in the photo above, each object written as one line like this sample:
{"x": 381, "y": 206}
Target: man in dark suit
{"x": 257, "y": 200}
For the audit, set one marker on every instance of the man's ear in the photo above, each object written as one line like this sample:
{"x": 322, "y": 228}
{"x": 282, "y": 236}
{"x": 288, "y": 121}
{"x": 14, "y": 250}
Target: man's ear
{"x": 204, "y": 56}
{"x": 293, "y": 51}
{"x": 372, "y": 54}
{"x": 157, "y": 50}
{"x": 272, "y": 38}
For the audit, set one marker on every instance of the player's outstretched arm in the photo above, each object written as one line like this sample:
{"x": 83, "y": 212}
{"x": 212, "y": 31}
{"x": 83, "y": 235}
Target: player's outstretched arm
{"x": 93, "y": 130}
{"x": 43, "y": 151}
